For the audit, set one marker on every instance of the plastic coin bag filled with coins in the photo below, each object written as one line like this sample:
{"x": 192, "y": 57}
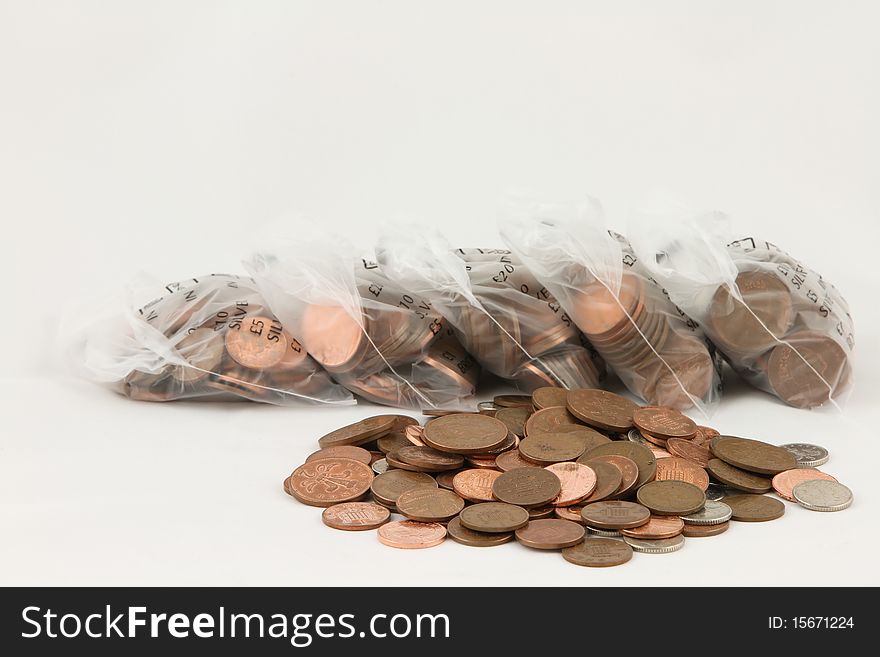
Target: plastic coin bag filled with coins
{"x": 206, "y": 337}
{"x": 779, "y": 324}
{"x": 659, "y": 353}
{"x": 380, "y": 341}
{"x": 503, "y": 316}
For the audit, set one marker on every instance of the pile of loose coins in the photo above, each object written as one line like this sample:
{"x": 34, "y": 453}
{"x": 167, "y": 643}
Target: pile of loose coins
{"x": 584, "y": 471}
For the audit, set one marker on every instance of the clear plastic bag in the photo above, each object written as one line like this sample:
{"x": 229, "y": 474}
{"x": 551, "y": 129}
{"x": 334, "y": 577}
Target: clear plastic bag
{"x": 659, "y": 353}
{"x": 779, "y": 324}
{"x": 377, "y": 339}
{"x": 206, "y": 337}
{"x": 502, "y": 315}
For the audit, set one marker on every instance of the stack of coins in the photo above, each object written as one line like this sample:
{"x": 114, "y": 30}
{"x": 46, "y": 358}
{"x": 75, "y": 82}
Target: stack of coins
{"x": 557, "y": 470}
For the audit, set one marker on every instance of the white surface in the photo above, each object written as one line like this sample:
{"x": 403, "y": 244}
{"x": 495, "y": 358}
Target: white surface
{"x": 156, "y": 136}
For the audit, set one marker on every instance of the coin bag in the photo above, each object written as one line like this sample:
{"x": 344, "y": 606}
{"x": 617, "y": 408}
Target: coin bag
{"x": 506, "y": 320}
{"x": 206, "y": 337}
{"x": 379, "y": 340}
{"x": 659, "y": 353}
{"x": 783, "y": 327}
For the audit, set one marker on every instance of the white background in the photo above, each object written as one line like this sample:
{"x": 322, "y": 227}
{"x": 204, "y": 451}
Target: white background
{"x": 157, "y": 136}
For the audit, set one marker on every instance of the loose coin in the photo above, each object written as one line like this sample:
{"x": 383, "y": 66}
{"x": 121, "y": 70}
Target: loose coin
{"x": 475, "y": 484}
{"x": 656, "y": 528}
{"x": 550, "y": 534}
{"x": 355, "y": 516}
{"x": 661, "y": 546}
{"x": 494, "y": 517}
{"x": 465, "y": 433}
{"x": 601, "y": 409}
{"x": 461, "y": 534}
{"x": 549, "y": 396}
{"x": 326, "y": 482}
{"x": 629, "y": 471}
{"x": 429, "y": 504}
{"x": 572, "y": 513}
{"x": 608, "y": 481}
{"x": 676, "y": 469}
{"x": 380, "y": 466}
{"x": 548, "y": 420}
{"x": 387, "y": 487}
{"x": 754, "y": 508}
{"x": 615, "y": 514}
{"x": 702, "y": 531}
{"x": 577, "y": 480}
{"x": 607, "y": 533}
{"x": 513, "y": 401}
{"x": 487, "y": 462}
{"x": 487, "y": 408}
{"x": 445, "y": 479}
{"x": 687, "y": 449}
{"x": 527, "y": 487}
{"x": 713, "y": 513}
{"x": 784, "y": 482}
{"x": 393, "y": 441}
{"x": 511, "y": 460}
{"x": 716, "y": 492}
{"x": 807, "y": 455}
{"x": 666, "y": 422}
{"x": 547, "y": 448}
{"x": 822, "y": 495}
{"x": 638, "y": 453}
{"x": 411, "y": 535}
{"x": 344, "y": 451}
{"x": 359, "y": 432}
{"x": 537, "y": 513}
{"x": 427, "y": 458}
{"x": 753, "y": 455}
{"x": 739, "y": 479}
{"x": 671, "y": 498}
{"x": 598, "y": 553}
{"x": 514, "y": 419}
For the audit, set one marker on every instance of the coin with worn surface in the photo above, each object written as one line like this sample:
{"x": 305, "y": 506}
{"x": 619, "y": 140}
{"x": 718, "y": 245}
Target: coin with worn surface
{"x": 326, "y": 482}
{"x": 511, "y": 460}
{"x": 656, "y": 528}
{"x": 753, "y": 455}
{"x": 712, "y": 513}
{"x": 445, "y": 479}
{"x": 687, "y": 449}
{"x": 539, "y": 512}
{"x": 550, "y": 534}
{"x": 487, "y": 462}
{"x": 608, "y": 481}
{"x": 661, "y": 546}
{"x": 494, "y": 517}
{"x": 703, "y": 531}
{"x": 465, "y": 433}
{"x": 661, "y": 421}
{"x": 461, "y": 534}
{"x": 601, "y": 409}
{"x": 393, "y": 441}
{"x": 577, "y": 480}
{"x": 387, "y": 487}
{"x": 642, "y": 456}
{"x": 591, "y": 437}
{"x": 475, "y": 484}
{"x": 572, "y": 513}
{"x": 355, "y": 516}
{"x": 514, "y": 419}
{"x": 549, "y": 396}
{"x": 784, "y": 482}
{"x": 548, "y": 420}
{"x": 527, "y": 487}
{"x": 807, "y": 455}
{"x": 598, "y": 553}
{"x": 359, "y": 432}
{"x": 547, "y": 448}
{"x": 754, "y": 508}
{"x": 671, "y": 497}
{"x": 682, "y": 470}
{"x": 427, "y": 458}
{"x": 429, "y": 504}
{"x": 629, "y": 471}
{"x": 344, "y": 451}
{"x": 411, "y": 535}
{"x": 739, "y": 479}
{"x": 823, "y": 495}
{"x": 380, "y": 466}
{"x": 513, "y": 401}
{"x": 615, "y": 514}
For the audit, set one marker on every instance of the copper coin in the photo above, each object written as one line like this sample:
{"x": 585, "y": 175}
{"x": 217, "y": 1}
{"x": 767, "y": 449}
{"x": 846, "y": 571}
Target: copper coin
{"x": 572, "y": 513}
{"x": 705, "y": 434}
{"x": 784, "y": 482}
{"x": 475, "y": 484}
{"x": 513, "y": 401}
{"x": 540, "y": 512}
{"x": 427, "y": 458}
{"x": 494, "y": 517}
{"x": 355, "y": 516}
{"x": 642, "y": 456}
{"x": 326, "y": 482}
{"x": 461, "y": 534}
{"x": 359, "y": 432}
{"x": 514, "y": 419}
{"x": 387, "y": 487}
{"x": 332, "y": 336}
{"x": 411, "y": 535}
{"x": 550, "y": 534}
{"x": 392, "y": 441}
{"x": 686, "y": 449}
{"x": 591, "y": 437}
{"x": 444, "y": 479}
{"x": 413, "y": 434}
{"x": 549, "y": 396}
{"x": 547, "y": 448}
{"x": 465, "y": 433}
{"x": 754, "y": 508}
{"x": 700, "y": 531}
{"x": 429, "y": 504}
{"x": 511, "y": 460}
{"x": 577, "y": 480}
{"x": 753, "y": 455}
{"x": 629, "y": 471}
{"x": 203, "y": 349}
{"x": 671, "y": 497}
{"x": 548, "y": 420}
{"x": 682, "y": 470}
{"x": 659, "y": 441}
{"x": 487, "y": 462}
{"x": 602, "y": 409}
{"x": 257, "y": 342}
{"x": 615, "y": 514}
{"x": 598, "y": 553}
{"x": 608, "y": 481}
{"x": 656, "y": 528}
{"x": 666, "y": 422}
{"x": 808, "y": 369}
{"x": 344, "y": 451}
{"x": 739, "y": 479}
{"x": 527, "y": 487}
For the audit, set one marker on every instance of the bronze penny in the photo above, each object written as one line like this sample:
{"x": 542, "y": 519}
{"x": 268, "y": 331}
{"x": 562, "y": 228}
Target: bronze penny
{"x": 513, "y": 401}
{"x": 511, "y": 460}
{"x": 754, "y": 508}
{"x": 461, "y": 534}
{"x": 547, "y": 448}
{"x": 427, "y": 458}
{"x": 704, "y": 435}
{"x": 326, "y": 482}
{"x": 444, "y": 479}
{"x": 475, "y": 484}
{"x": 784, "y": 482}
{"x": 615, "y": 514}
{"x": 572, "y": 513}
{"x": 344, "y": 451}
{"x": 359, "y": 432}
{"x": 608, "y": 481}
{"x": 642, "y": 456}
{"x": 629, "y": 472}
{"x": 527, "y": 487}
{"x": 577, "y": 480}
{"x": 514, "y": 419}
{"x": 549, "y": 396}
{"x": 601, "y": 409}
{"x": 429, "y": 504}
{"x": 393, "y": 441}
{"x": 701, "y": 531}
{"x": 656, "y": 528}
{"x": 659, "y": 441}
{"x": 465, "y": 433}
{"x": 591, "y": 437}
{"x": 390, "y": 485}
{"x": 665, "y": 422}
{"x": 540, "y": 512}
{"x": 808, "y": 369}
{"x": 413, "y": 434}
{"x": 487, "y": 462}
{"x": 598, "y": 553}
{"x": 687, "y": 449}
{"x": 494, "y": 517}
{"x": 547, "y": 420}
{"x": 739, "y": 479}
{"x": 411, "y": 535}
{"x": 671, "y": 498}
{"x": 753, "y": 455}
{"x": 682, "y": 470}
{"x": 550, "y": 534}
{"x": 355, "y": 516}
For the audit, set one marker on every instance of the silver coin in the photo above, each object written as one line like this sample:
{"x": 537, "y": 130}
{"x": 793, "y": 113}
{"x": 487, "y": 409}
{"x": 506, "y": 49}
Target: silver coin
{"x": 822, "y": 495}
{"x": 487, "y": 408}
{"x": 634, "y": 436}
{"x": 610, "y": 533}
{"x": 713, "y": 513}
{"x": 715, "y": 492}
{"x": 807, "y": 455}
{"x": 380, "y": 466}
{"x": 657, "y": 546}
